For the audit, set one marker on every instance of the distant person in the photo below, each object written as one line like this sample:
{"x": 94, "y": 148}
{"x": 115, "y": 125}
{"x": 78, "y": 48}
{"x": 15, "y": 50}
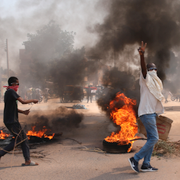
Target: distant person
{"x": 29, "y": 93}
{"x": 89, "y": 94}
{"x": 46, "y": 94}
{"x": 34, "y": 94}
{"x": 11, "y": 120}
{"x": 98, "y": 93}
{"x": 150, "y": 106}
{"x": 165, "y": 93}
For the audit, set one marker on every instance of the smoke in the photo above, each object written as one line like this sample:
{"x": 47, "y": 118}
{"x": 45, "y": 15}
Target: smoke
{"x": 70, "y": 70}
{"x": 110, "y": 94}
{"x": 20, "y": 17}
{"x": 130, "y": 22}
{"x": 127, "y": 24}
{"x": 56, "y": 121}
{"x": 113, "y": 28}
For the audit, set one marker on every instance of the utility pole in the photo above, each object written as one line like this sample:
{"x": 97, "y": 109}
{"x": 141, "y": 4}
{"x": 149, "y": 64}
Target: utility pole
{"x": 7, "y": 57}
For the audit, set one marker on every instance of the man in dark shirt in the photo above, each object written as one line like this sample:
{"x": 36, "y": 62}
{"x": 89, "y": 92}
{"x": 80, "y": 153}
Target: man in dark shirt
{"x": 12, "y": 123}
{"x": 89, "y": 94}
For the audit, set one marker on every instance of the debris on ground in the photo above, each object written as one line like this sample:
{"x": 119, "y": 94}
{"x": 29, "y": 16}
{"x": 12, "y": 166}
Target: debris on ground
{"x": 79, "y": 106}
{"x": 166, "y": 148}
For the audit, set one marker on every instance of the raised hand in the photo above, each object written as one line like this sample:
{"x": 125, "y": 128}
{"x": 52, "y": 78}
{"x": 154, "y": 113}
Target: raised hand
{"x": 142, "y": 48}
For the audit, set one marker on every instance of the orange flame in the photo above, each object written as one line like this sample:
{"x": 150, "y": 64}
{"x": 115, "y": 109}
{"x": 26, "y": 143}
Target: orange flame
{"x": 3, "y": 135}
{"x": 124, "y": 117}
{"x": 40, "y": 133}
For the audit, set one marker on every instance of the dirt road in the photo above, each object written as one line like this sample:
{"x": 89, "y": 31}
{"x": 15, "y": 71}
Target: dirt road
{"x": 78, "y": 154}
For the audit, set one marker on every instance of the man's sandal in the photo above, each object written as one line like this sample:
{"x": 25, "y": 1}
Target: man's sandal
{"x": 32, "y": 163}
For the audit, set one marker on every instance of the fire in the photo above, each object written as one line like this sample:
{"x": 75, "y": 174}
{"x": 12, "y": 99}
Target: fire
{"x": 3, "y": 135}
{"x": 124, "y": 117}
{"x": 40, "y": 133}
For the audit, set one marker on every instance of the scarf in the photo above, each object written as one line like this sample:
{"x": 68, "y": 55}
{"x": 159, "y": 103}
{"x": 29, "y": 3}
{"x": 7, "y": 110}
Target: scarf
{"x": 154, "y": 84}
{"x": 15, "y": 88}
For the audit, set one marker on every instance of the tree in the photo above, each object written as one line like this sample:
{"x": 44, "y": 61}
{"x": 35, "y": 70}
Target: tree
{"x": 48, "y": 44}
{"x": 51, "y": 58}
{"x": 70, "y": 70}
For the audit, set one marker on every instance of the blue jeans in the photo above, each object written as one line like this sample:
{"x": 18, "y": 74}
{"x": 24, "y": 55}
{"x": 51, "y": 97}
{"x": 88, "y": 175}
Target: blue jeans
{"x": 149, "y": 121}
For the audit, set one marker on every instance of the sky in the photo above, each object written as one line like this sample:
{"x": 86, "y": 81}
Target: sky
{"x": 20, "y": 17}
{"x": 113, "y": 28}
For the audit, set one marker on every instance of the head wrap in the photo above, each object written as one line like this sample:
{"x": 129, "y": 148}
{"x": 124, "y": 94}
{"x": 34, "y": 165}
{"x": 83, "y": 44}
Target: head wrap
{"x": 154, "y": 84}
{"x": 15, "y": 88}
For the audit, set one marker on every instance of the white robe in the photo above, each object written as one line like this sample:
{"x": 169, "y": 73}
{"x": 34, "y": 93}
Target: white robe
{"x": 150, "y": 95}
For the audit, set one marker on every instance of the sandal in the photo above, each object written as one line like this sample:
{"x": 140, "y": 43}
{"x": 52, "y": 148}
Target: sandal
{"x": 32, "y": 163}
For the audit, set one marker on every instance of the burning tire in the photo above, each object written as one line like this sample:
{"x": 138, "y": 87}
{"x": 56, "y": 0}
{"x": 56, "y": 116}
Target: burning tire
{"x": 113, "y": 147}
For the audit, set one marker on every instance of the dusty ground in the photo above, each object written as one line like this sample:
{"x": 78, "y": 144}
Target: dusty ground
{"x": 67, "y": 159}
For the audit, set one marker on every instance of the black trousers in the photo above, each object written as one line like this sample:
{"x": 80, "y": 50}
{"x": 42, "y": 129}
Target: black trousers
{"x": 89, "y": 97}
{"x": 20, "y": 138}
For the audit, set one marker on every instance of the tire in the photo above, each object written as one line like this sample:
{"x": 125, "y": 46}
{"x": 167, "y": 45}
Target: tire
{"x": 173, "y": 98}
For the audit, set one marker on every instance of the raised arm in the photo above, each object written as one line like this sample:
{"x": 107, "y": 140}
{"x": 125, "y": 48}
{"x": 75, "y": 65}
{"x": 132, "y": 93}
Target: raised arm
{"x": 27, "y": 101}
{"x": 141, "y": 51}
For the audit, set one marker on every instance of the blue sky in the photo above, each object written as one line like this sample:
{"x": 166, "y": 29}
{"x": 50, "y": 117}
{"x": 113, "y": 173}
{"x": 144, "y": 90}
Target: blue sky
{"x": 7, "y": 6}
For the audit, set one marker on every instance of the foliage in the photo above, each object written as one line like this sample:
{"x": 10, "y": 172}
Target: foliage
{"x": 47, "y": 47}
{"x": 50, "y": 42}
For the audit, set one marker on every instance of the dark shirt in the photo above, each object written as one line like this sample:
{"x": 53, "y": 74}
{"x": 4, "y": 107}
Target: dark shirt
{"x": 10, "y": 107}
{"x": 88, "y": 91}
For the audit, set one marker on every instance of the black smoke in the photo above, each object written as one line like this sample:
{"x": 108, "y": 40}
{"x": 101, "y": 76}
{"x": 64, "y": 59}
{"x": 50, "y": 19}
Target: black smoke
{"x": 129, "y": 22}
{"x": 69, "y": 70}
{"x": 49, "y": 60}
{"x": 118, "y": 81}
{"x": 56, "y": 121}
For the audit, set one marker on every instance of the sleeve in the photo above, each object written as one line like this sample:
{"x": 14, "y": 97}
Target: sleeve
{"x": 14, "y": 95}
